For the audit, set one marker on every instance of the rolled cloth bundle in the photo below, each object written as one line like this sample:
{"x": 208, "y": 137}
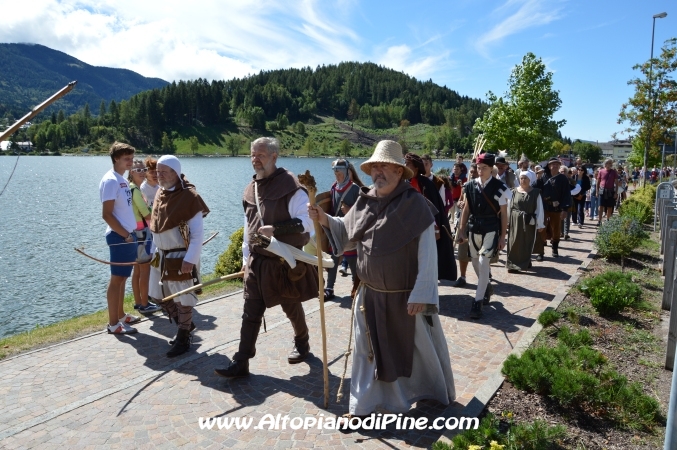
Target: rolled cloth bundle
{"x": 289, "y": 253}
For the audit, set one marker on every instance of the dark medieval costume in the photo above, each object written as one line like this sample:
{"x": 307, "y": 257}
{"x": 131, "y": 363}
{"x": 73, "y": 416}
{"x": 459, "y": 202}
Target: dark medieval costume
{"x": 556, "y": 195}
{"x": 583, "y": 180}
{"x": 268, "y": 281}
{"x": 446, "y": 263}
{"x": 484, "y": 200}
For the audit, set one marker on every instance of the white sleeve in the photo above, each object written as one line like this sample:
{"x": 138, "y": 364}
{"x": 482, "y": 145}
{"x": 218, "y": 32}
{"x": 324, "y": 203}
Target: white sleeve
{"x": 442, "y": 194}
{"x": 505, "y": 197}
{"x": 540, "y": 215}
{"x": 576, "y": 190}
{"x": 245, "y": 244}
{"x": 195, "y": 225}
{"x": 425, "y": 287}
{"x": 298, "y": 209}
{"x": 108, "y": 190}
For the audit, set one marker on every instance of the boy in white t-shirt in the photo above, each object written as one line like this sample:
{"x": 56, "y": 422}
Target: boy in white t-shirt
{"x": 116, "y": 199}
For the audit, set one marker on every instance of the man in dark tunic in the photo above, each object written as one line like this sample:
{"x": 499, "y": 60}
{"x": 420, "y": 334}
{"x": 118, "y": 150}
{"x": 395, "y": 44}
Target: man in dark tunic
{"x": 556, "y": 195}
{"x": 274, "y": 205}
{"x": 484, "y": 223}
{"x": 400, "y": 355}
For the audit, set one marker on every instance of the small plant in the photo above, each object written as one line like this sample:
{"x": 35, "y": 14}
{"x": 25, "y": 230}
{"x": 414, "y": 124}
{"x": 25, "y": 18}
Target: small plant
{"x": 611, "y": 292}
{"x": 618, "y": 237}
{"x": 548, "y": 317}
{"x": 230, "y": 261}
{"x": 577, "y": 376}
{"x": 636, "y": 209}
{"x": 535, "y": 435}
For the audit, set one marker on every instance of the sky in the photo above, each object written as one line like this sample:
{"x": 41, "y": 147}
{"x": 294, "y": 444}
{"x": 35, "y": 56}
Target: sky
{"x": 470, "y": 46}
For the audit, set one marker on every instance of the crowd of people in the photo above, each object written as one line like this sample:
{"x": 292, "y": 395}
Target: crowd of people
{"x": 398, "y": 238}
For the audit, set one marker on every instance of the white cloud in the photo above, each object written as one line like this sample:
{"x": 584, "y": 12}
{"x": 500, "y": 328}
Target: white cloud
{"x": 177, "y": 40}
{"x": 404, "y": 59}
{"x": 530, "y": 13}
{"x": 218, "y": 39}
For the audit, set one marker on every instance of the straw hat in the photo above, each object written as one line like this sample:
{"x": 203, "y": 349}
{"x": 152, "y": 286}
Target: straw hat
{"x": 387, "y": 152}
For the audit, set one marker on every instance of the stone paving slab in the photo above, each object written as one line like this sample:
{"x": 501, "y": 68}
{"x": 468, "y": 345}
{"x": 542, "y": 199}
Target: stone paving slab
{"x": 105, "y": 391}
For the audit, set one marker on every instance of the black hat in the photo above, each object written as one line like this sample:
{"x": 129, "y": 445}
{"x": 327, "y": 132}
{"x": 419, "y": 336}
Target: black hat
{"x": 553, "y": 160}
{"x": 501, "y": 160}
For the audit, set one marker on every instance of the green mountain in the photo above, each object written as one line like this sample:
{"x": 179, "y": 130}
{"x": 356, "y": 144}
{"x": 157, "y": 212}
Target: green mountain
{"x": 331, "y": 109}
{"x": 31, "y": 73}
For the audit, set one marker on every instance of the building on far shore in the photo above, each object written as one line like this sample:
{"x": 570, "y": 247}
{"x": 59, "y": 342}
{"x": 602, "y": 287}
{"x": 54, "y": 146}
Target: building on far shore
{"x": 23, "y": 146}
{"x": 616, "y": 150}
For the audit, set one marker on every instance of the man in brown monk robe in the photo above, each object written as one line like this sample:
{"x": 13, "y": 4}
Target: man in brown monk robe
{"x": 400, "y": 353}
{"x": 274, "y": 205}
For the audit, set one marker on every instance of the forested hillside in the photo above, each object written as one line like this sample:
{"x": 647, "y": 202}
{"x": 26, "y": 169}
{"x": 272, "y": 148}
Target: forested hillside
{"x": 361, "y": 100}
{"x": 31, "y": 73}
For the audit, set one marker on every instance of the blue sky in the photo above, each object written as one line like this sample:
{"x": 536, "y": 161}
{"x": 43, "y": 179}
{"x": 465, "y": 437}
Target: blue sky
{"x": 467, "y": 45}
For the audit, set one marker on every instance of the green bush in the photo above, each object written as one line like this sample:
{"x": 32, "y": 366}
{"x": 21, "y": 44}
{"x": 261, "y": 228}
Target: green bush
{"x": 535, "y": 435}
{"x": 611, "y": 292}
{"x": 578, "y": 376}
{"x": 548, "y": 317}
{"x": 230, "y": 261}
{"x": 646, "y": 195}
{"x": 636, "y": 209}
{"x": 618, "y": 237}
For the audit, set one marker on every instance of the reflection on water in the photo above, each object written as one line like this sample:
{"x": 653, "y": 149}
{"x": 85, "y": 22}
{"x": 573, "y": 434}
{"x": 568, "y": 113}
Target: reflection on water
{"x": 52, "y": 205}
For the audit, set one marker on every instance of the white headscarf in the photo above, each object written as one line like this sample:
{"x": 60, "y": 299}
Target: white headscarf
{"x": 529, "y": 174}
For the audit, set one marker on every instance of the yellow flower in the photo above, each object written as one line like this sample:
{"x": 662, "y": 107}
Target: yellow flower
{"x": 495, "y": 446}
{"x": 474, "y": 447}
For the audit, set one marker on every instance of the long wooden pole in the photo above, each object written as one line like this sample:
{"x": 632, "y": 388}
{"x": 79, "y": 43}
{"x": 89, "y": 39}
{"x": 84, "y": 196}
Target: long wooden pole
{"x": 309, "y": 182}
{"x": 35, "y": 111}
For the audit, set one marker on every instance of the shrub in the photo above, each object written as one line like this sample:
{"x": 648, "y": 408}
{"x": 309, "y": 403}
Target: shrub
{"x": 611, "y": 292}
{"x": 230, "y": 261}
{"x": 575, "y": 375}
{"x": 636, "y": 209}
{"x": 548, "y": 317}
{"x": 618, "y": 237}
{"x": 535, "y": 435}
{"x": 646, "y": 195}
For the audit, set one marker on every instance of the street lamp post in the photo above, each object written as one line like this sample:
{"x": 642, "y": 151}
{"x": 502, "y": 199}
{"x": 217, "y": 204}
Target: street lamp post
{"x": 652, "y": 103}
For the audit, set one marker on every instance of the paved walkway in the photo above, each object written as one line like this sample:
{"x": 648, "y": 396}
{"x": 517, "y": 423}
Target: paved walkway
{"x": 106, "y": 391}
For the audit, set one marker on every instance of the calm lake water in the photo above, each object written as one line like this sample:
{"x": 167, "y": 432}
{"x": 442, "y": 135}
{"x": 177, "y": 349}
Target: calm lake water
{"x": 51, "y": 206}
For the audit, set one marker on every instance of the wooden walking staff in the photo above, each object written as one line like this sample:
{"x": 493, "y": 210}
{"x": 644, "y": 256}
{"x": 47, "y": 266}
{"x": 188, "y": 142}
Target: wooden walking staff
{"x": 309, "y": 182}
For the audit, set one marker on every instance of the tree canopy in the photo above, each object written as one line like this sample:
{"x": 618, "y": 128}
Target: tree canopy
{"x": 368, "y": 94}
{"x": 522, "y": 120}
{"x": 648, "y": 117}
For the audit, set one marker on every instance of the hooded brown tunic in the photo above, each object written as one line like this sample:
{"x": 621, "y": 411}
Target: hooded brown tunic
{"x": 171, "y": 208}
{"x": 272, "y": 273}
{"x": 387, "y": 231}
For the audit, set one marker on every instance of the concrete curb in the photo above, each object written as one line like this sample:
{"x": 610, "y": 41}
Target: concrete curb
{"x": 487, "y": 391}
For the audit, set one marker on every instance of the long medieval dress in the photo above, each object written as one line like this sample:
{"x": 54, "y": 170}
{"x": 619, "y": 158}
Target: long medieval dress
{"x": 398, "y": 359}
{"x": 525, "y": 218}
{"x": 446, "y": 262}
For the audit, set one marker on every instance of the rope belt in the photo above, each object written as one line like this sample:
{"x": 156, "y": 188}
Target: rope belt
{"x": 370, "y": 356}
{"x": 398, "y": 291}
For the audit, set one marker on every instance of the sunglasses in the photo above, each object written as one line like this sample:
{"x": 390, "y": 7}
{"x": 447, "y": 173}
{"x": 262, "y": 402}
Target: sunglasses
{"x": 140, "y": 170}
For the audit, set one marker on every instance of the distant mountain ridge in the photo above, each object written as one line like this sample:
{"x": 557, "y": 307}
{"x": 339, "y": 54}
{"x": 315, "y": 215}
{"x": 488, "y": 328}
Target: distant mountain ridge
{"x": 30, "y": 73}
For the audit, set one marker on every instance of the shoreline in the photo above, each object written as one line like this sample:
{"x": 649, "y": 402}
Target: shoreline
{"x": 86, "y": 324}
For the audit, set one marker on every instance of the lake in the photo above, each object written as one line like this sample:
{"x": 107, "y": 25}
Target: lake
{"x": 51, "y": 206}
